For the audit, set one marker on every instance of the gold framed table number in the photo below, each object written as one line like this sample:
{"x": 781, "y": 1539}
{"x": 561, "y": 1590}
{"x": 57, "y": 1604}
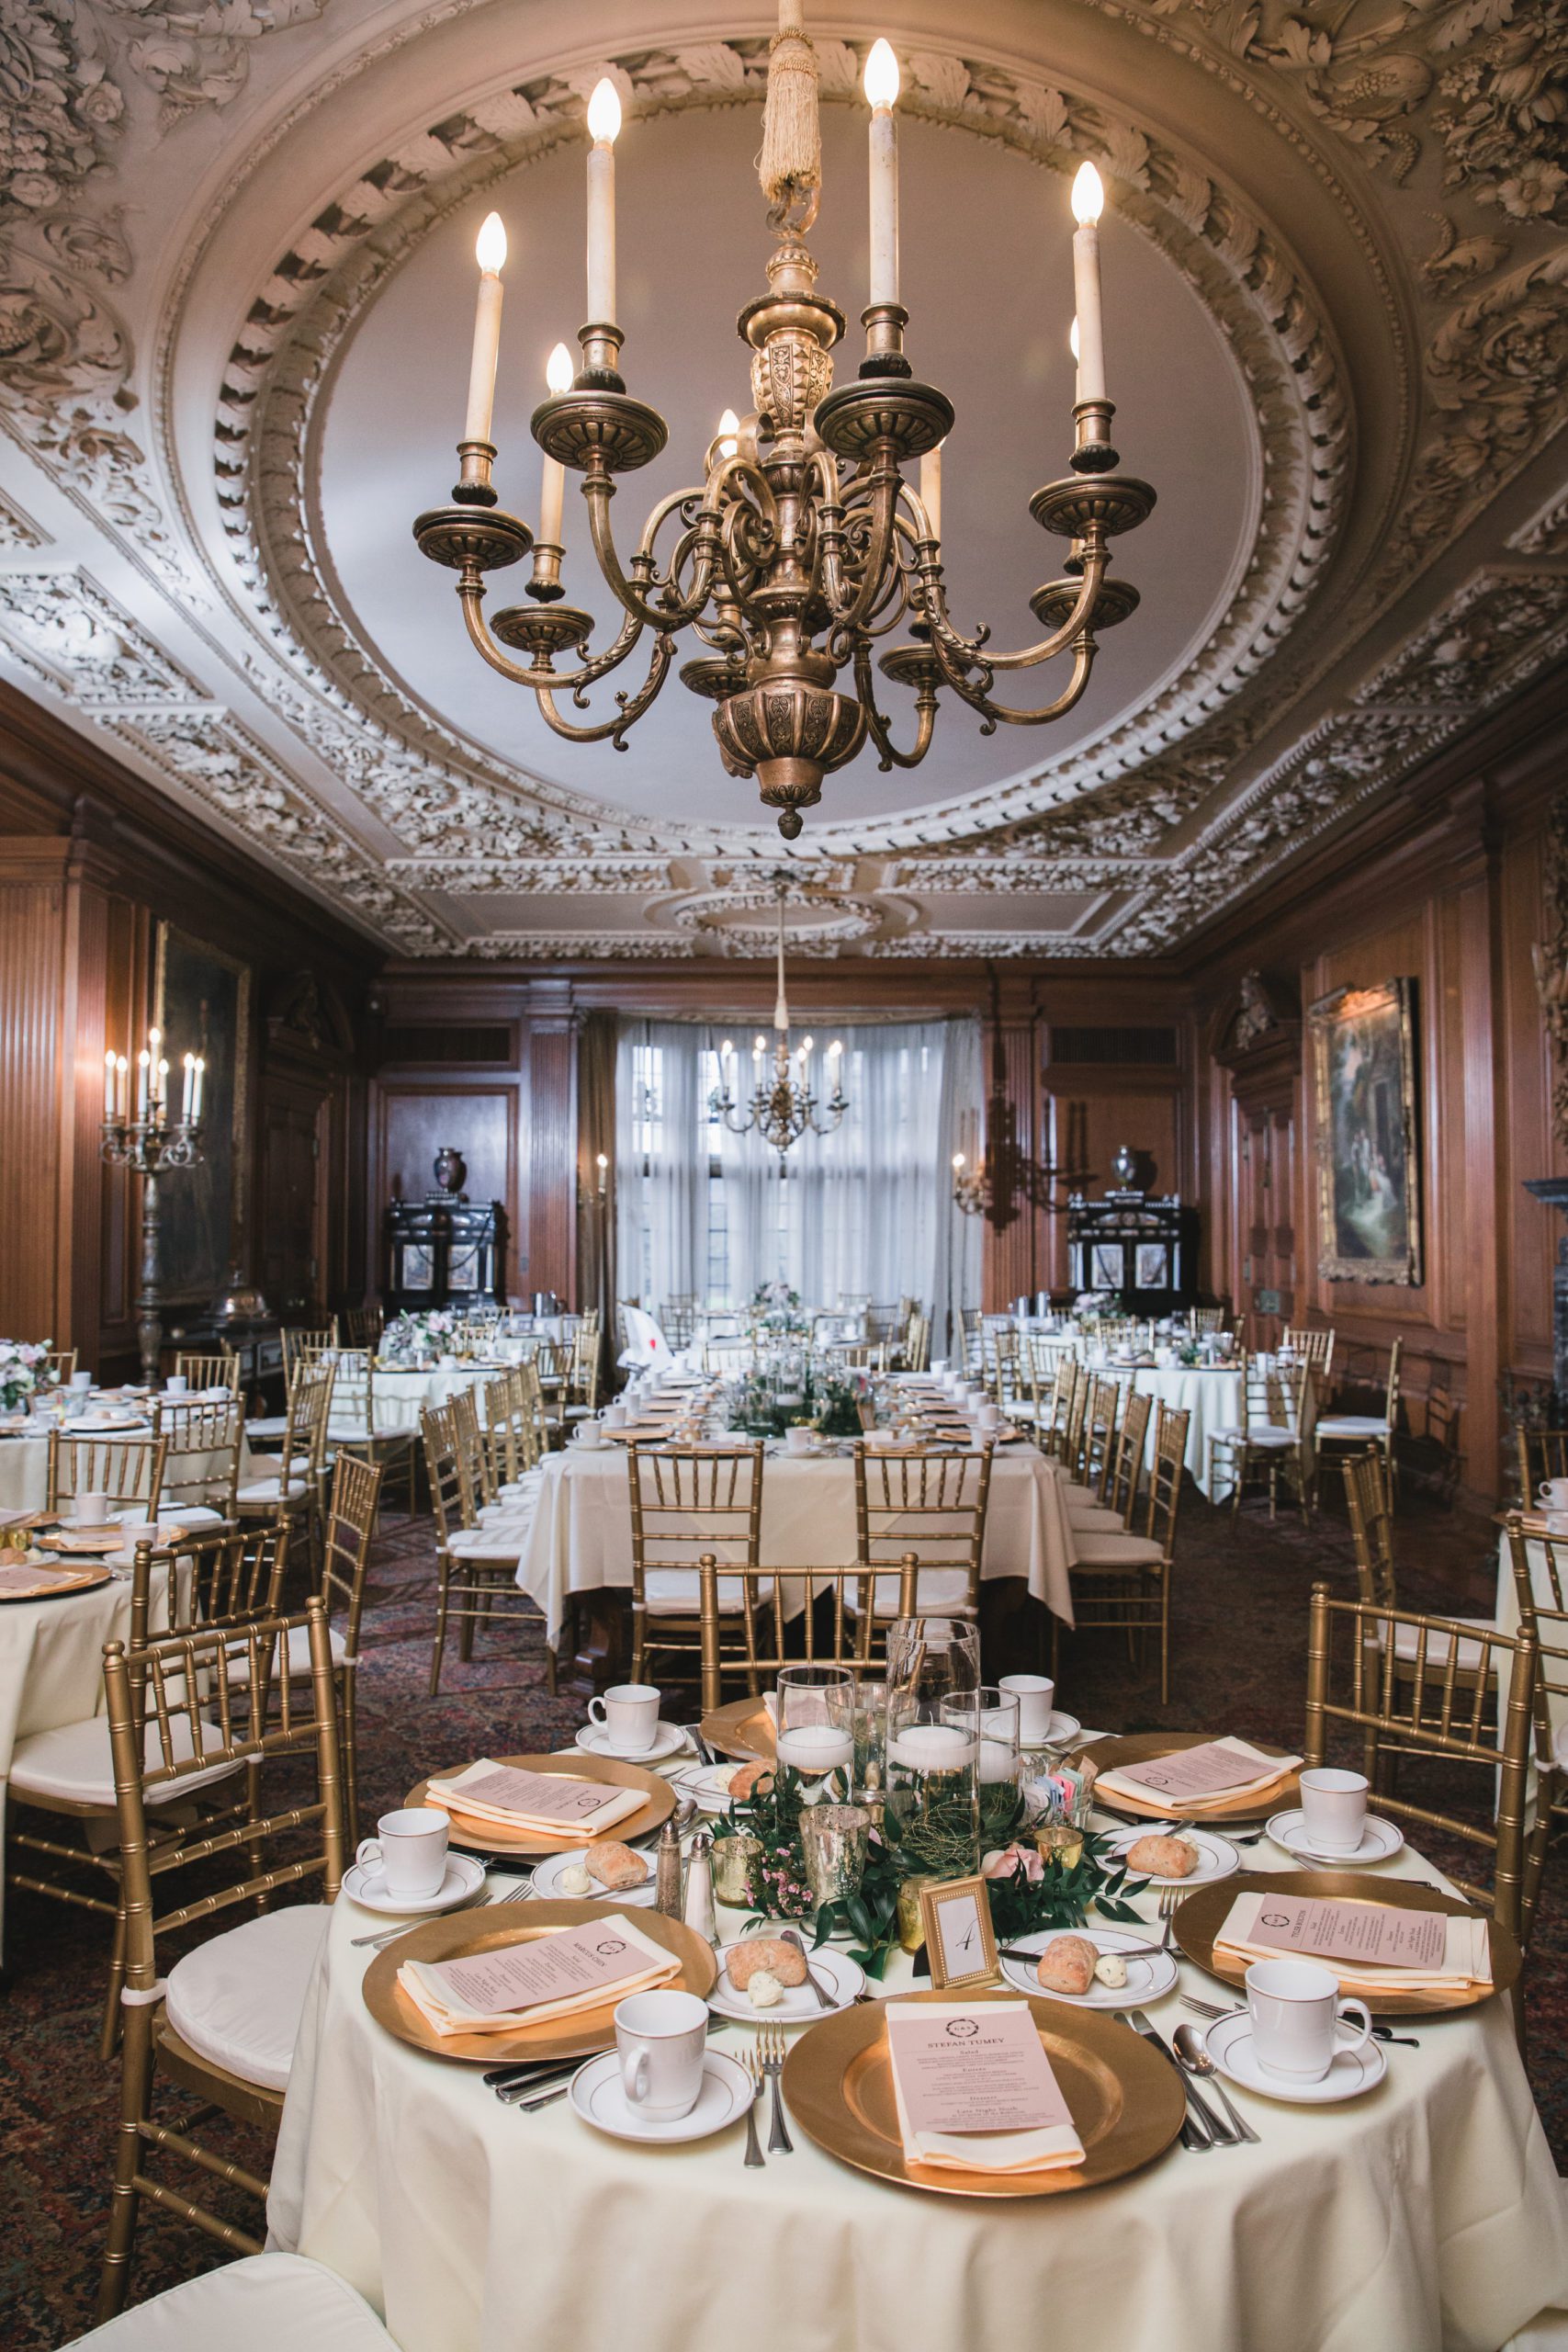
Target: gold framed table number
{"x": 961, "y": 1943}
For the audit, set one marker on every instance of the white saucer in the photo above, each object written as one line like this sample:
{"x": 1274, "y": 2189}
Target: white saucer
{"x": 1148, "y": 1978}
{"x": 1229, "y": 2043}
{"x": 597, "y": 2095}
{"x": 841, "y": 1976}
{"x": 365, "y": 1884}
{"x": 1218, "y": 1856}
{"x": 548, "y": 1878}
{"x": 1380, "y": 1841}
{"x": 594, "y": 1740}
{"x": 1058, "y": 1732}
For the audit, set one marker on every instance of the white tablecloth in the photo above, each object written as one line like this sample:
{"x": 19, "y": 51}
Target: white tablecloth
{"x": 402, "y": 1396}
{"x": 24, "y": 1468}
{"x": 1425, "y": 2217}
{"x": 580, "y": 1534}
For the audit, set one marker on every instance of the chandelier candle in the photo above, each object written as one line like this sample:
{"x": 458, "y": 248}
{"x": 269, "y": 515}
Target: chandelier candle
{"x": 930, "y": 489}
{"x": 603, "y": 127}
{"x": 881, "y": 90}
{"x": 1089, "y": 203}
{"x": 552, "y": 481}
{"x": 489, "y": 251}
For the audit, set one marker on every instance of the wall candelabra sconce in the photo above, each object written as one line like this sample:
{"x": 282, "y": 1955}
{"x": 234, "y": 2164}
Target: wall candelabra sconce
{"x": 150, "y": 1144}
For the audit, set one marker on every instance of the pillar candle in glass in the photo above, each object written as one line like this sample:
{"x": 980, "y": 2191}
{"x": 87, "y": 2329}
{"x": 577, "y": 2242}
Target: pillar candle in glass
{"x": 815, "y": 1733}
{"x": 933, "y": 1740}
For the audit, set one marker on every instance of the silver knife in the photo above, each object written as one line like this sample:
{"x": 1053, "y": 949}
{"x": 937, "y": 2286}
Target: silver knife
{"x": 1219, "y": 2130}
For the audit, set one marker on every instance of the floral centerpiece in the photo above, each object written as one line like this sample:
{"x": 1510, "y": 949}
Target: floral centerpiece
{"x": 417, "y": 1340}
{"x": 775, "y": 1308}
{"x": 770, "y": 1400}
{"x": 24, "y": 1367}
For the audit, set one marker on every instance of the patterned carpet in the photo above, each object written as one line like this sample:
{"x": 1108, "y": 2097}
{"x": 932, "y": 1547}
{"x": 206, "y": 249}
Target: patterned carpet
{"x": 1238, "y": 1664}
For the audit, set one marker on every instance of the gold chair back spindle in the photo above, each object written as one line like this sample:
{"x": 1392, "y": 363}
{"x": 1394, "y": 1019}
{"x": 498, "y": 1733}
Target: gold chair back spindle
{"x": 209, "y": 1372}
{"x": 130, "y": 1470}
{"x": 685, "y": 1503}
{"x": 934, "y": 1505}
{"x": 788, "y": 1599}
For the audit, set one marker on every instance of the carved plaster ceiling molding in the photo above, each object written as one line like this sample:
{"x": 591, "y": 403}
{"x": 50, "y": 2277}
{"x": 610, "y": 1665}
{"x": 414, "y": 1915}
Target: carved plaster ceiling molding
{"x": 75, "y": 641}
{"x": 744, "y": 921}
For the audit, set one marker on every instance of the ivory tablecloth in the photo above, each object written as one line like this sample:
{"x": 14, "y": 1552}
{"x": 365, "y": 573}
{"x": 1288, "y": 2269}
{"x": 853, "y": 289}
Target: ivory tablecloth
{"x": 1425, "y": 2217}
{"x": 579, "y": 1537}
{"x": 24, "y": 1468}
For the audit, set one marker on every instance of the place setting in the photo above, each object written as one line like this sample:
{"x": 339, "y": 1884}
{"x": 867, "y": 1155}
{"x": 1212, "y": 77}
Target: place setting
{"x": 1168, "y": 1775}
{"x": 541, "y": 1805}
{"x": 625, "y": 1723}
{"x": 1332, "y": 1823}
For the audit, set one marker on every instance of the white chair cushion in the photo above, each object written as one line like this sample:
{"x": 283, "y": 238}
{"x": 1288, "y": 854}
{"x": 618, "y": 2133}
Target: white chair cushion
{"x": 1117, "y": 1551}
{"x": 238, "y": 1999}
{"x": 1073, "y": 1492}
{"x": 270, "y": 1425}
{"x": 74, "y": 1762}
{"x": 253, "y": 2305}
{"x": 1099, "y": 1520}
{"x": 299, "y": 1654}
{"x": 266, "y": 1490}
{"x": 498, "y": 1543}
{"x": 938, "y": 1592}
{"x": 1269, "y": 1433}
{"x": 1560, "y": 1745}
{"x": 678, "y": 1592}
{"x": 189, "y": 1514}
{"x": 1352, "y": 1425}
{"x": 1408, "y": 1645}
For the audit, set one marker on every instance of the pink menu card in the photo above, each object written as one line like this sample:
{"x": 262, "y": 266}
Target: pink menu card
{"x": 973, "y": 2070}
{"x": 1387, "y": 1936}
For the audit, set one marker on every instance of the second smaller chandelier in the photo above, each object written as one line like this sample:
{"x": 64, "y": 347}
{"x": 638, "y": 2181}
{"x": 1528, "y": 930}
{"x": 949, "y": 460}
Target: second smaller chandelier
{"x": 782, "y": 1107}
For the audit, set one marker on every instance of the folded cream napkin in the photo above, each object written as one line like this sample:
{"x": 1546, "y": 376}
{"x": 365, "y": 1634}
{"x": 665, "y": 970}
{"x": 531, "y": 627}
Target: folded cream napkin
{"x": 1124, "y": 1784}
{"x": 553, "y": 1803}
{"x": 527, "y": 1984}
{"x": 1371, "y": 1946}
{"x": 974, "y": 2088}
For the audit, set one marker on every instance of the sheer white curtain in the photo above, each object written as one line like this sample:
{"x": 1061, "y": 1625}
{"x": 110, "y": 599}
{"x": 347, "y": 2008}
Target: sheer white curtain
{"x": 865, "y": 1210}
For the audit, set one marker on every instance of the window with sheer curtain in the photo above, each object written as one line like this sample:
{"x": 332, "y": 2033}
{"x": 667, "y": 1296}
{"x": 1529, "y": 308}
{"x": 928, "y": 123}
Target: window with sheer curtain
{"x": 705, "y": 1216}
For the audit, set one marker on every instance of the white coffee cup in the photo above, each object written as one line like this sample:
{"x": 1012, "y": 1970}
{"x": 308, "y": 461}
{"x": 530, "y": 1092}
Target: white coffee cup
{"x": 1295, "y": 2010}
{"x": 133, "y": 1532}
{"x": 1557, "y": 1522}
{"x": 589, "y": 1435}
{"x": 81, "y": 1382}
{"x": 630, "y": 1715}
{"x": 615, "y": 1416}
{"x": 797, "y": 1438}
{"x": 175, "y": 1384}
{"x": 409, "y": 1851}
{"x": 990, "y": 1417}
{"x": 1334, "y": 1809}
{"x": 1553, "y": 1493}
{"x": 663, "y": 2039}
{"x": 1036, "y": 1696}
{"x": 91, "y": 1510}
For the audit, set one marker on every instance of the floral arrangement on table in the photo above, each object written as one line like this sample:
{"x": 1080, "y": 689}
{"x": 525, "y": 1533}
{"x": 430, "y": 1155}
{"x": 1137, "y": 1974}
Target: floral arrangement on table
{"x": 776, "y": 1308}
{"x": 1028, "y": 1891}
{"x": 766, "y": 1403}
{"x": 416, "y": 1341}
{"x": 24, "y": 1367}
{"x": 1090, "y": 1305}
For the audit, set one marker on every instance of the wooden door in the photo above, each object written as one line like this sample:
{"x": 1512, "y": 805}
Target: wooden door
{"x": 1266, "y": 1168}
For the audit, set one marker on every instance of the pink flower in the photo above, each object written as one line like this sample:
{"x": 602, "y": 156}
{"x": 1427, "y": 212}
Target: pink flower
{"x": 1005, "y": 1861}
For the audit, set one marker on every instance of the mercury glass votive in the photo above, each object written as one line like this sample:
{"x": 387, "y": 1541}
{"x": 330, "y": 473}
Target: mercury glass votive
{"x": 737, "y": 1872}
{"x": 834, "y": 1839}
{"x": 1059, "y": 1841}
{"x": 911, "y": 1926}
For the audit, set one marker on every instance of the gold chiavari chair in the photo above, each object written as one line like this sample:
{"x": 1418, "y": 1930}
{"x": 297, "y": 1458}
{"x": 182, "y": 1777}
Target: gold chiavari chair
{"x": 59, "y": 1363}
{"x": 1101, "y": 1421}
{"x": 917, "y": 1342}
{"x": 1362, "y": 1430}
{"x": 302, "y": 1346}
{"x": 201, "y": 1372}
{"x": 934, "y": 1505}
{"x": 786, "y": 1601}
{"x": 581, "y": 1398}
{"x": 195, "y": 2029}
{"x": 1207, "y": 1319}
{"x": 292, "y": 1492}
{"x": 969, "y": 1341}
{"x": 363, "y": 1326}
{"x": 868, "y": 1356}
{"x": 685, "y": 1502}
{"x": 202, "y": 1463}
{"x": 1540, "y": 1564}
{"x": 1273, "y": 1437}
{"x": 1056, "y": 1380}
{"x": 1434, "y": 1713}
{"x": 678, "y": 1319}
{"x": 1542, "y": 1454}
{"x": 1317, "y": 1346}
{"x": 511, "y": 1434}
{"x": 353, "y": 1421}
{"x": 1072, "y": 1433}
{"x": 1115, "y": 1515}
{"x": 1371, "y": 1535}
{"x": 475, "y": 1565}
{"x": 67, "y": 1772}
{"x": 129, "y": 1470}
{"x": 345, "y": 1565}
{"x": 1122, "y": 1582}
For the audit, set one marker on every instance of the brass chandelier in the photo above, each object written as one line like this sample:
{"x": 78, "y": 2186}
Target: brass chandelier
{"x": 783, "y": 1108}
{"x": 803, "y": 544}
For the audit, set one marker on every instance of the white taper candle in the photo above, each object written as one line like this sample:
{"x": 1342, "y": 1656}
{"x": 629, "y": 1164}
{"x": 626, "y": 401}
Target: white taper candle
{"x": 881, "y": 90}
{"x": 489, "y": 251}
{"x": 1088, "y": 201}
{"x": 603, "y": 123}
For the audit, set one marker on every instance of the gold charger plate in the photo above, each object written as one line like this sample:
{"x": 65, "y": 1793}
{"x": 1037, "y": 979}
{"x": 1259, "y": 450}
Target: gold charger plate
{"x": 744, "y": 1728}
{"x": 1138, "y": 1748}
{"x": 1126, "y": 2101}
{"x": 458, "y": 1935}
{"x": 493, "y": 1837}
{"x": 63, "y": 1581}
{"x": 1202, "y": 1914}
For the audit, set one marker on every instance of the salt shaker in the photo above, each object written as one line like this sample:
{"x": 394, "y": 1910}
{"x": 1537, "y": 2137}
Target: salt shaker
{"x": 667, "y": 1888}
{"x": 699, "y": 1887}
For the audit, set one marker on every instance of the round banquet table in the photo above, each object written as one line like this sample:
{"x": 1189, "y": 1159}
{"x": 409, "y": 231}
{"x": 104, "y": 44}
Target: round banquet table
{"x": 579, "y": 1537}
{"x": 1423, "y": 2217}
{"x": 24, "y": 1466}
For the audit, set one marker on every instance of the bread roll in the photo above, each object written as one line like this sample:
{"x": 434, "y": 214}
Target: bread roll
{"x": 1158, "y": 1857}
{"x": 615, "y": 1865}
{"x": 747, "y": 1778}
{"x": 784, "y": 1961}
{"x": 1066, "y": 1965}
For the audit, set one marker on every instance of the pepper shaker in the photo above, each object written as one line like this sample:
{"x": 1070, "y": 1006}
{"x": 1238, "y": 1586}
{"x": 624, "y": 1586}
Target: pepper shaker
{"x": 667, "y": 1888}
{"x": 700, "y": 1913}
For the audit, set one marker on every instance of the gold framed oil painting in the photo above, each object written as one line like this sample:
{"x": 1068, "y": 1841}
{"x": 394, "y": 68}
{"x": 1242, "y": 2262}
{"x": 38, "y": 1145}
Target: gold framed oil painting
{"x": 1369, "y": 1166}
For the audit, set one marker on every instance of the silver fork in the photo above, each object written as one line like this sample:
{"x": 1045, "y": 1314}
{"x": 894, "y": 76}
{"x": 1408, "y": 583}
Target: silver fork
{"x": 771, "y": 2049}
{"x": 755, "y": 2156}
{"x": 1169, "y": 1896}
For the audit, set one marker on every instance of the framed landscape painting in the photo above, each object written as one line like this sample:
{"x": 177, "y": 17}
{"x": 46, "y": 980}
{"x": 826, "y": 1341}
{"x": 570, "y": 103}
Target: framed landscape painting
{"x": 201, "y": 1001}
{"x": 1369, "y": 1171}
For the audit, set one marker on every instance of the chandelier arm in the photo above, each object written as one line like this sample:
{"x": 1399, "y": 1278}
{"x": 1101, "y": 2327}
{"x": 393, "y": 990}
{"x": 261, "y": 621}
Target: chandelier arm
{"x": 598, "y": 665}
{"x": 598, "y": 490}
{"x": 876, "y": 727}
{"x": 945, "y": 637}
{"x": 883, "y": 503}
{"x": 632, "y": 706}
{"x": 979, "y": 699}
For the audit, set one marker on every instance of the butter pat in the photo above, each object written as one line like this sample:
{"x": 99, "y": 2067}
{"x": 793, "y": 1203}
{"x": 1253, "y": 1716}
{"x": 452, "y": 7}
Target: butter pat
{"x": 1111, "y": 1968}
{"x": 765, "y": 1991}
{"x": 575, "y": 1881}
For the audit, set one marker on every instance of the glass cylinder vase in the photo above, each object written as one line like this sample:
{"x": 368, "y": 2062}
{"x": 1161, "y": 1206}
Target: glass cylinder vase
{"x": 932, "y": 1813}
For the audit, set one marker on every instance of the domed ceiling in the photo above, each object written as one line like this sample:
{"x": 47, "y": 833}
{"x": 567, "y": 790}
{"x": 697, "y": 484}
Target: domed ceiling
{"x": 239, "y": 289}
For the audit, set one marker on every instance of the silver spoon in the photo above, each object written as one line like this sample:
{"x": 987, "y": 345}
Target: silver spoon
{"x": 1195, "y": 2058}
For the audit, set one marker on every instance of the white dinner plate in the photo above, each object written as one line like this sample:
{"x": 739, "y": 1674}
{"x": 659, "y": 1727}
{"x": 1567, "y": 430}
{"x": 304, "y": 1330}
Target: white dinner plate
{"x": 365, "y": 1884}
{"x": 1380, "y": 1841}
{"x": 594, "y": 1740}
{"x": 1229, "y": 2043}
{"x": 841, "y": 1977}
{"x": 597, "y": 2096}
{"x": 97, "y": 1424}
{"x": 1149, "y": 1977}
{"x": 1217, "y": 1857}
{"x": 708, "y": 1785}
{"x": 548, "y": 1877}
